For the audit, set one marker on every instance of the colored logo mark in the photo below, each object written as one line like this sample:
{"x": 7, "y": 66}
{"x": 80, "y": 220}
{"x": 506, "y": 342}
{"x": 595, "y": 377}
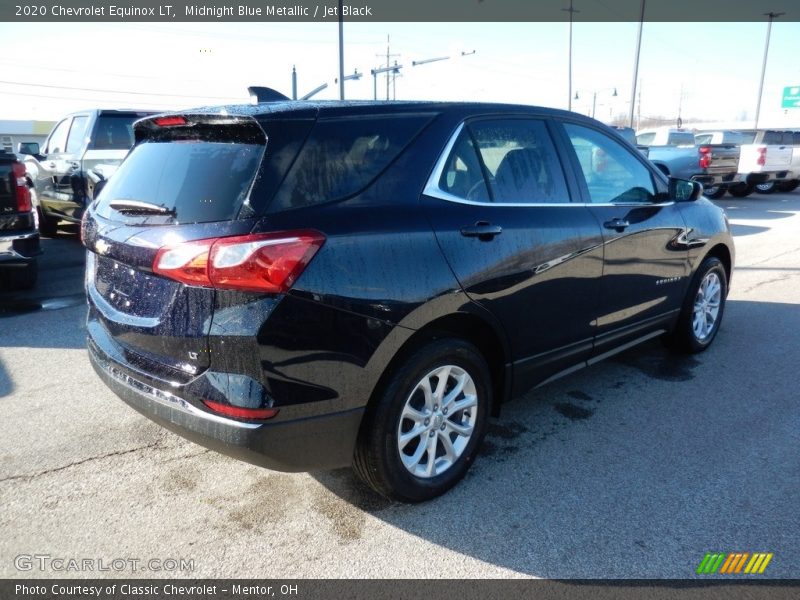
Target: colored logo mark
{"x": 734, "y": 563}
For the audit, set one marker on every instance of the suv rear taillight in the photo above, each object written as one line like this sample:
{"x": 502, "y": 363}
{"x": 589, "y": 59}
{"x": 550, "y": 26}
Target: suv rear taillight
{"x": 262, "y": 262}
{"x": 705, "y": 157}
{"x": 762, "y": 156}
{"x": 20, "y": 184}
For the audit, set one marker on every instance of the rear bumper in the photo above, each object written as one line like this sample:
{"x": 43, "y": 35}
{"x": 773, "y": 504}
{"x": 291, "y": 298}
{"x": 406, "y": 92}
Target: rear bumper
{"x": 19, "y": 247}
{"x": 709, "y": 179}
{"x": 765, "y": 177}
{"x": 316, "y": 443}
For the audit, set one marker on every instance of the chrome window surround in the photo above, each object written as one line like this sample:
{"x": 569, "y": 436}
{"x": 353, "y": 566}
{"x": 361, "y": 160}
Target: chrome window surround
{"x": 433, "y": 190}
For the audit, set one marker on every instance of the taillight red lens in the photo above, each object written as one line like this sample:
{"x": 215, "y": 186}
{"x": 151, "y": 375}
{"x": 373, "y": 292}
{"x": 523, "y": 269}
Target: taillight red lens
{"x": 239, "y": 412}
{"x": 762, "y": 157}
{"x": 170, "y": 121}
{"x": 705, "y": 157}
{"x": 23, "y": 194}
{"x": 268, "y": 263}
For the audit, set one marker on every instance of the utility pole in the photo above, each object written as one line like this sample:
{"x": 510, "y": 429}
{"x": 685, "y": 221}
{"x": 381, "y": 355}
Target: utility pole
{"x": 636, "y": 64}
{"x": 388, "y": 69}
{"x": 341, "y": 52}
{"x": 294, "y": 83}
{"x": 771, "y": 16}
{"x": 571, "y": 11}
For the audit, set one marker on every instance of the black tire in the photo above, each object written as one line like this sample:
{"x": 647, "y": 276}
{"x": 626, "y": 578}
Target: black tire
{"x": 766, "y": 188}
{"x": 377, "y": 459}
{"x": 740, "y": 190}
{"x": 48, "y": 226}
{"x": 714, "y": 192}
{"x": 20, "y": 278}
{"x": 684, "y": 337}
{"x": 789, "y": 186}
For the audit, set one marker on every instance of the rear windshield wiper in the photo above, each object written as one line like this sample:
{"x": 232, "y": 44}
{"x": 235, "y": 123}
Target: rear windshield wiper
{"x": 137, "y": 207}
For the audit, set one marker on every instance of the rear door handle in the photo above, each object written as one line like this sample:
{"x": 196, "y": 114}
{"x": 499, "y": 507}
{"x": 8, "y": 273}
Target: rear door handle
{"x": 483, "y": 230}
{"x": 617, "y": 224}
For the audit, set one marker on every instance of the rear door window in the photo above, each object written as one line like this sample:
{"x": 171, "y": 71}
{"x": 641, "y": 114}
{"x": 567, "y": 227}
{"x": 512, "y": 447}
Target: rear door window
{"x": 520, "y": 161}
{"x": 77, "y": 134}
{"x": 342, "y": 156}
{"x": 196, "y": 181}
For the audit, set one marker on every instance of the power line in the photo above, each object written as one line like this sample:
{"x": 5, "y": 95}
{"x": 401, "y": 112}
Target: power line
{"x": 80, "y": 89}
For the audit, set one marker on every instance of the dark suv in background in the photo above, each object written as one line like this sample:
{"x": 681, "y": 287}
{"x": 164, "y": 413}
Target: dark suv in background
{"x": 311, "y": 285}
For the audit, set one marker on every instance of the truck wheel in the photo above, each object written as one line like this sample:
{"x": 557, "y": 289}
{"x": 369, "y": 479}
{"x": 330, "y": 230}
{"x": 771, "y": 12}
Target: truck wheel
{"x": 766, "y": 188}
{"x": 422, "y": 433}
{"x": 741, "y": 190}
{"x": 21, "y": 278}
{"x": 789, "y": 186}
{"x": 715, "y": 191}
{"x": 48, "y": 226}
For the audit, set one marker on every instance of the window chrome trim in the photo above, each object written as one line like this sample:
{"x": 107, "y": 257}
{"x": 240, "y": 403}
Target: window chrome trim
{"x": 433, "y": 190}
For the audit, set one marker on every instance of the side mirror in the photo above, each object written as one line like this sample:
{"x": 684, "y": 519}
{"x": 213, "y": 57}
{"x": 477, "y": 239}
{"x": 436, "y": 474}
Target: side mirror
{"x": 28, "y": 148}
{"x": 682, "y": 190}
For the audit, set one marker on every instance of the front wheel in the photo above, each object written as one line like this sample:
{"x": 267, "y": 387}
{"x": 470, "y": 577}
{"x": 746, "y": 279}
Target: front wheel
{"x": 789, "y": 186}
{"x": 714, "y": 192}
{"x": 702, "y": 309}
{"x": 741, "y": 190}
{"x": 422, "y": 434}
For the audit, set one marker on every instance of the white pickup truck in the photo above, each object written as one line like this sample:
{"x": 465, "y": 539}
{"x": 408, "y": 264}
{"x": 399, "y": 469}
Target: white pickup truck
{"x": 766, "y": 163}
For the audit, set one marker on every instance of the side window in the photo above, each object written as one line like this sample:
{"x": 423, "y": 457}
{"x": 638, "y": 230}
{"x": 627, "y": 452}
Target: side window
{"x": 77, "y": 134}
{"x": 646, "y": 139}
{"x": 520, "y": 161}
{"x": 611, "y": 171}
{"x": 462, "y": 175}
{"x": 58, "y": 139}
{"x": 702, "y": 138}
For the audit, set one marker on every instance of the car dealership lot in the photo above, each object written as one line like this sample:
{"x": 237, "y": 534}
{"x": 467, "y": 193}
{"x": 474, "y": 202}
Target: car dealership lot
{"x": 635, "y": 467}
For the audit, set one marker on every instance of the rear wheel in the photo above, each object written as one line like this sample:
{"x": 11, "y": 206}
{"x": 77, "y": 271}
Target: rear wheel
{"x": 741, "y": 190}
{"x": 714, "y": 192}
{"x": 702, "y": 309}
{"x": 789, "y": 186}
{"x": 422, "y": 434}
{"x": 766, "y": 188}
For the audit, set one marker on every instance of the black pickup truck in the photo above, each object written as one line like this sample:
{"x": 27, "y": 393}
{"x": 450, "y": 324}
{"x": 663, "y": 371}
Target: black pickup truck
{"x": 19, "y": 235}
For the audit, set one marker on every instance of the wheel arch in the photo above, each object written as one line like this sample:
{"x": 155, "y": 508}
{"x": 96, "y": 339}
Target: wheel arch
{"x": 469, "y": 327}
{"x": 723, "y": 253}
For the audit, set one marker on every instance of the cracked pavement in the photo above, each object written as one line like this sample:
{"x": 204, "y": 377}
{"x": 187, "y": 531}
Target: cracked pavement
{"x": 635, "y": 467}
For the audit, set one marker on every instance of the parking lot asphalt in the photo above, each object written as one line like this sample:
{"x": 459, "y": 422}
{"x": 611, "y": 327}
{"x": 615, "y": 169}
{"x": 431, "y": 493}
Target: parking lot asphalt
{"x": 635, "y": 467}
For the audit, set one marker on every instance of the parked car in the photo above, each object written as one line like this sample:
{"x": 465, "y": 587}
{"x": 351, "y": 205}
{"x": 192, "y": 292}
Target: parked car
{"x": 19, "y": 237}
{"x": 79, "y": 142}
{"x": 793, "y": 177}
{"x": 764, "y": 160}
{"x": 674, "y": 152}
{"x": 313, "y": 285}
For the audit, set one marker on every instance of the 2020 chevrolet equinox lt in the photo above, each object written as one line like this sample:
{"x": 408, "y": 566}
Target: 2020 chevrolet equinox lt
{"x": 306, "y": 285}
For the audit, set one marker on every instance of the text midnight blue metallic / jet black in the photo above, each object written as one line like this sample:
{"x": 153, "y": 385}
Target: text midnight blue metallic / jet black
{"x": 312, "y": 285}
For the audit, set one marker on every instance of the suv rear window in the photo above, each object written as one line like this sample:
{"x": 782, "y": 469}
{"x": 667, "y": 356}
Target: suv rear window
{"x": 343, "y": 156}
{"x": 201, "y": 181}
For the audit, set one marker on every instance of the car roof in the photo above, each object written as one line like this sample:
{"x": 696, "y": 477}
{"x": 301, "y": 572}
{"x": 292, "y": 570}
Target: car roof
{"x": 367, "y": 107}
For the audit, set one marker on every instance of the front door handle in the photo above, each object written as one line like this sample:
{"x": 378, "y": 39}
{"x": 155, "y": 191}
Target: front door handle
{"x": 617, "y": 224}
{"x": 483, "y": 230}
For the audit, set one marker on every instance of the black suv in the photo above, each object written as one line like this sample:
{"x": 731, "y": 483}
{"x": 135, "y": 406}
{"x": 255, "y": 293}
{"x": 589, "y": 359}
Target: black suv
{"x": 311, "y": 285}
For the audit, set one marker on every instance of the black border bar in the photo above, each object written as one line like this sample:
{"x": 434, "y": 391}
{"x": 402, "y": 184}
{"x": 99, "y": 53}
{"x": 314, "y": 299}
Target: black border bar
{"x": 443, "y": 11}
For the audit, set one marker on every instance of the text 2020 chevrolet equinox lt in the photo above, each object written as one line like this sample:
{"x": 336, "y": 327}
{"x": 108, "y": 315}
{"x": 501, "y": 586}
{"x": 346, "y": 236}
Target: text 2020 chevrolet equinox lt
{"x": 311, "y": 285}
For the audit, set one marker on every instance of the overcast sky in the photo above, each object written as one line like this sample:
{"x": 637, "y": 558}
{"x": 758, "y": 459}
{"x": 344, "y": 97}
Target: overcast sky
{"x": 49, "y": 69}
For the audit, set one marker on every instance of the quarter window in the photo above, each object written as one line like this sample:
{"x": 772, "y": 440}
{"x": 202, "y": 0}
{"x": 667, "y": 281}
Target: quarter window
{"x": 612, "y": 173}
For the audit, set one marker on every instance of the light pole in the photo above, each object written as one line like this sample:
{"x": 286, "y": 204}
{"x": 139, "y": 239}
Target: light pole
{"x": 341, "y": 52}
{"x": 636, "y": 65}
{"x": 594, "y": 97}
{"x": 571, "y": 11}
{"x": 318, "y": 89}
{"x": 395, "y": 68}
{"x": 771, "y": 16}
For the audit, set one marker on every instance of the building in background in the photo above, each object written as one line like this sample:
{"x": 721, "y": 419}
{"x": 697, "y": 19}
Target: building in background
{"x": 14, "y": 132}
